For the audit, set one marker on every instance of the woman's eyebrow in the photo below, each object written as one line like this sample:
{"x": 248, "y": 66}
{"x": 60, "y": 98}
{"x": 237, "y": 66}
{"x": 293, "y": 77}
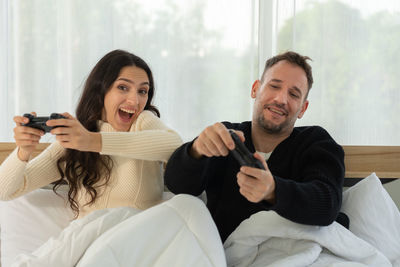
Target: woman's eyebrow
{"x": 132, "y": 82}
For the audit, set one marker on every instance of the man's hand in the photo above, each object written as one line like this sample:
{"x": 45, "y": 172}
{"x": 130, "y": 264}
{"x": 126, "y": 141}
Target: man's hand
{"x": 256, "y": 184}
{"x": 215, "y": 140}
{"x": 73, "y": 135}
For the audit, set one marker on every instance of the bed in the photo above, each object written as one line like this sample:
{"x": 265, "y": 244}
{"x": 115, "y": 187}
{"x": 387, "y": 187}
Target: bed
{"x": 27, "y": 222}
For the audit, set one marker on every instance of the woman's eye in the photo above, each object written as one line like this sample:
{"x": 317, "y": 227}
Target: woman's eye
{"x": 122, "y": 87}
{"x": 143, "y": 91}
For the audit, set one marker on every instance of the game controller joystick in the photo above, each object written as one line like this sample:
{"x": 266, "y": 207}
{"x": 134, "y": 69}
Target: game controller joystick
{"x": 40, "y": 122}
{"x": 242, "y": 154}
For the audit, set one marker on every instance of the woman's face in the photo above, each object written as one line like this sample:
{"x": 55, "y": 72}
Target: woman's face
{"x": 126, "y": 98}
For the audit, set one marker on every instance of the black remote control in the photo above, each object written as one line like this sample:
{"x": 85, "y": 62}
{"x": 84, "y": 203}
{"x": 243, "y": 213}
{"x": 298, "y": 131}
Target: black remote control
{"x": 40, "y": 122}
{"x": 242, "y": 154}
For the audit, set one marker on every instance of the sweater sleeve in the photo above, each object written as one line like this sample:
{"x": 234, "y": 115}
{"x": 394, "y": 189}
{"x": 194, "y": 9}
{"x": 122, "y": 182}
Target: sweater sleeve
{"x": 149, "y": 139}
{"x": 187, "y": 175}
{"x": 184, "y": 174}
{"x": 314, "y": 194}
{"x": 18, "y": 177}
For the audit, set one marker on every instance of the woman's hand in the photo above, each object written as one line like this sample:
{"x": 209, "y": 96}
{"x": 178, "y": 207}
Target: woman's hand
{"x": 71, "y": 134}
{"x": 26, "y": 138}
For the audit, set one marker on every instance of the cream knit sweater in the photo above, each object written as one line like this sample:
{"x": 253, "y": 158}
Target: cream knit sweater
{"x": 136, "y": 178}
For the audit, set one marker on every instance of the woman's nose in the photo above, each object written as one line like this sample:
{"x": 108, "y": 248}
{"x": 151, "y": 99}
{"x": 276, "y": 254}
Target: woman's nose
{"x": 133, "y": 98}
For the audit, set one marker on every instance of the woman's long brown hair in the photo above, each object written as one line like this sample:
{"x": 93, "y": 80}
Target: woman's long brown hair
{"x": 91, "y": 170}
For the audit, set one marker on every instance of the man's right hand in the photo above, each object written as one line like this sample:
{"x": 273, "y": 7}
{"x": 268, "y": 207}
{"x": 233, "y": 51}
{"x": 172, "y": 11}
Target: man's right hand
{"x": 215, "y": 140}
{"x": 26, "y": 138}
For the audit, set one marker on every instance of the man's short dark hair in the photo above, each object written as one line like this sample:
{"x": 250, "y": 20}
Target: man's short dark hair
{"x": 293, "y": 58}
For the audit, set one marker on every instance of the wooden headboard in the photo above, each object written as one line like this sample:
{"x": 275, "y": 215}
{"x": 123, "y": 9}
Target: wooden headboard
{"x": 7, "y": 148}
{"x": 360, "y": 161}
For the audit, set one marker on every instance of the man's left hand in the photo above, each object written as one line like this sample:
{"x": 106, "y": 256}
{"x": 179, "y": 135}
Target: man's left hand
{"x": 256, "y": 184}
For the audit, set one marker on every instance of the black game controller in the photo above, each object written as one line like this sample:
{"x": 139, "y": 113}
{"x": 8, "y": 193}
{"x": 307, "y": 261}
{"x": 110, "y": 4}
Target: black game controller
{"x": 40, "y": 122}
{"x": 242, "y": 154}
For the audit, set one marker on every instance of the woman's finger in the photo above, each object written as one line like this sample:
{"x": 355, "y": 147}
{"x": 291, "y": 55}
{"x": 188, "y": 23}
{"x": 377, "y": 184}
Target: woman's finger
{"x": 27, "y": 136}
{"x": 27, "y": 130}
{"x": 20, "y": 120}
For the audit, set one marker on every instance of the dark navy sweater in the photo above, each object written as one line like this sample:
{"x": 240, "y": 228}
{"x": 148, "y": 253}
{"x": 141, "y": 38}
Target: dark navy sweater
{"x": 308, "y": 169}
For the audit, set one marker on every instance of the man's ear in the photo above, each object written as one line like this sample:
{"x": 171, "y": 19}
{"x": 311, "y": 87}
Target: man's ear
{"x": 303, "y": 109}
{"x": 254, "y": 88}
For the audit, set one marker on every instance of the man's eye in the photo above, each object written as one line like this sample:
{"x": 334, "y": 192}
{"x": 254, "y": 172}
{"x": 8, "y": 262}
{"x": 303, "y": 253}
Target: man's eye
{"x": 274, "y": 86}
{"x": 294, "y": 95}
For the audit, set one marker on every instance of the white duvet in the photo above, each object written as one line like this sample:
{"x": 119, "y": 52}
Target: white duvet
{"x": 180, "y": 232}
{"x": 267, "y": 239}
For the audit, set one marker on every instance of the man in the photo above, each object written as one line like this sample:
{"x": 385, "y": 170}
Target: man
{"x": 304, "y": 166}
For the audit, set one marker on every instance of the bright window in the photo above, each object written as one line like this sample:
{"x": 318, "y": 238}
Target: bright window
{"x": 205, "y": 56}
{"x": 356, "y": 60}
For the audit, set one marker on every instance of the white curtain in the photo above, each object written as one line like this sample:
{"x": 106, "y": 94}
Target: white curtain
{"x": 356, "y": 61}
{"x": 205, "y": 56}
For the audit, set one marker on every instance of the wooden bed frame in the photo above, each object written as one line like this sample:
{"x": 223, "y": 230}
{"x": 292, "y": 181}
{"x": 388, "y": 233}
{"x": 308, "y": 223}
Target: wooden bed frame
{"x": 360, "y": 161}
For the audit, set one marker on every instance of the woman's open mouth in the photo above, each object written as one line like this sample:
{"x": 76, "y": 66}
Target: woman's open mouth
{"x": 126, "y": 114}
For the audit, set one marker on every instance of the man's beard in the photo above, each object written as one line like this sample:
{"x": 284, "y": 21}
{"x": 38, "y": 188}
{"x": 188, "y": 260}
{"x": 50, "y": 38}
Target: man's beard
{"x": 269, "y": 127}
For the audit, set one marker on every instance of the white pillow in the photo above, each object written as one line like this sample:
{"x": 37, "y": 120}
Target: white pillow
{"x": 28, "y": 221}
{"x": 374, "y": 217}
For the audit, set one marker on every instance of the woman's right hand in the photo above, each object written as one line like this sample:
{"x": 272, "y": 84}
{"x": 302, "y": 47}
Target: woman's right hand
{"x": 26, "y": 138}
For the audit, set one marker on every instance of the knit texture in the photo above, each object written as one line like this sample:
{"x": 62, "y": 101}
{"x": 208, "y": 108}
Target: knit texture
{"x": 308, "y": 169}
{"x": 136, "y": 178}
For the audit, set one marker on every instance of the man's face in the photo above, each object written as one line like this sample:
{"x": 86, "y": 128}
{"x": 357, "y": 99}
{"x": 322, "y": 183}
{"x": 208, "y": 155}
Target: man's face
{"x": 280, "y": 99}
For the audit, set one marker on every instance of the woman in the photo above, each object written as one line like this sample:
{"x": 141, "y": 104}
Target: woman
{"x": 110, "y": 155}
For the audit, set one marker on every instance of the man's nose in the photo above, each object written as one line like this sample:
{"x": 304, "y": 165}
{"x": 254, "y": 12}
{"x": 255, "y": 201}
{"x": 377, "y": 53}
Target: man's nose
{"x": 281, "y": 96}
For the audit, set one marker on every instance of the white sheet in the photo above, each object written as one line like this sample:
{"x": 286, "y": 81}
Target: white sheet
{"x": 29, "y": 221}
{"x": 267, "y": 239}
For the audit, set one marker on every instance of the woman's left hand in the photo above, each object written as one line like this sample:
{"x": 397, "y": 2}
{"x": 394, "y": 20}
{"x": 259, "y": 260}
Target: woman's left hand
{"x": 70, "y": 133}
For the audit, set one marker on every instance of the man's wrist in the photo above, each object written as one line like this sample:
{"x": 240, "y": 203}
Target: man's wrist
{"x": 270, "y": 198}
{"x": 193, "y": 151}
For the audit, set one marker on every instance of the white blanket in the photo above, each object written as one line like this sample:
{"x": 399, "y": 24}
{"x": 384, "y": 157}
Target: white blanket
{"x": 267, "y": 239}
{"x": 178, "y": 232}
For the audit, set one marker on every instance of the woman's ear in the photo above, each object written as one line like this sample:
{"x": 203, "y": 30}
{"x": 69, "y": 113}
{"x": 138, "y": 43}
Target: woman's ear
{"x": 103, "y": 115}
{"x": 254, "y": 88}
